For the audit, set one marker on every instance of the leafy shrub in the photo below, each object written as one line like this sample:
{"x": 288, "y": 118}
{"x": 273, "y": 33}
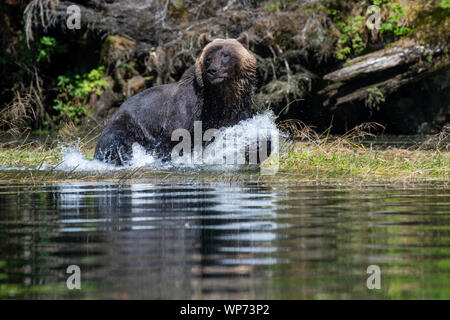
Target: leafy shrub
{"x": 445, "y": 4}
{"x": 350, "y": 40}
{"x": 38, "y": 51}
{"x": 396, "y": 23}
{"x": 374, "y": 98}
{"x": 353, "y": 35}
{"x": 74, "y": 92}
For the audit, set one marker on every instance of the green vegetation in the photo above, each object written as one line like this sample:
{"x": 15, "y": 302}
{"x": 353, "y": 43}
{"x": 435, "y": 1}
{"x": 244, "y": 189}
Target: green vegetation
{"x": 345, "y": 157}
{"x": 74, "y": 91}
{"x": 38, "y": 51}
{"x": 445, "y": 4}
{"x": 44, "y": 291}
{"x": 294, "y": 43}
{"x": 335, "y": 160}
{"x": 395, "y": 23}
{"x": 353, "y": 34}
{"x": 46, "y": 47}
{"x": 316, "y": 158}
{"x": 29, "y": 155}
{"x": 321, "y": 157}
{"x": 374, "y": 98}
{"x": 350, "y": 40}
{"x": 272, "y": 7}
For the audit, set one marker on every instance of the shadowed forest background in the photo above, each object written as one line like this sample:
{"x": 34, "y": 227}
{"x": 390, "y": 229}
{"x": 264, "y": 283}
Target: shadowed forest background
{"x": 318, "y": 62}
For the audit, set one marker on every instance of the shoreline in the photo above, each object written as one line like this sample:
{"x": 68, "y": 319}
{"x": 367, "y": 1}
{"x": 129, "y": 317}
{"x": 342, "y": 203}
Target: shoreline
{"x": 331, "y": 161}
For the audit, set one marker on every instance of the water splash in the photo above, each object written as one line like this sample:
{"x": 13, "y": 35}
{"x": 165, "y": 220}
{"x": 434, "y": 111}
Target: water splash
{"x": 75, "y": 160}
{"x": 245, "y": 132}
{"x": 246, "y": 135}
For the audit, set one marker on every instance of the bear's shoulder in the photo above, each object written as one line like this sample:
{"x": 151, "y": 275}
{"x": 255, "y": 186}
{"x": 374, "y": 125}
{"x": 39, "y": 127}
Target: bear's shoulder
{"x": 188, "y": 77}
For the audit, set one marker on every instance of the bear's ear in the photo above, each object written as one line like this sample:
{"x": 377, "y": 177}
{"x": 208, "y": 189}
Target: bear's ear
{"x": 243, "y": 39}
{"x": 204, "y": 40}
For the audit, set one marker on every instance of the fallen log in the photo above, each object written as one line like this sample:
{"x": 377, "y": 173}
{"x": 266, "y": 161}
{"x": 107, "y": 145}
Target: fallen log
{"x": 385, "y": 70}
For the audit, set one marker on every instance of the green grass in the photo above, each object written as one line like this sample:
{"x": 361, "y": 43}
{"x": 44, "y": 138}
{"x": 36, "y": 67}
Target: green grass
{"x": 313, "y": 160}
{"x": 303, "y": 162}
{"x": 34, "y": 155}
{"x": 28, "y": 156}
{"x": 334, "y": 160}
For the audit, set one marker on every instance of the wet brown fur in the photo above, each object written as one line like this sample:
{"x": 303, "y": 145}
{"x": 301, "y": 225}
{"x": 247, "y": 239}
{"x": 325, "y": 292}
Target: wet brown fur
{"x": 150, "y": 117}
{"x": 232, "y": 91}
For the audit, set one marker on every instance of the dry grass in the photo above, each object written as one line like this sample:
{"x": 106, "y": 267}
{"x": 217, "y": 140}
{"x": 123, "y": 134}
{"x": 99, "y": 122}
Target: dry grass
{"x": 14, "y": 117}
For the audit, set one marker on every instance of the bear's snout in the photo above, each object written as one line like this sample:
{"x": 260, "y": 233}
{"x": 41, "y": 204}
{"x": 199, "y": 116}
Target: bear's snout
{"x": 212, "y": 70}
{"x": 215, "y": 76}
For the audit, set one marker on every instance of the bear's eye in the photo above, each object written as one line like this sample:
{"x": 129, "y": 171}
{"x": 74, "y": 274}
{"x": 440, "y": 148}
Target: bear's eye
{"x": 225, "y": 57}
{"x": 208, "y": 60}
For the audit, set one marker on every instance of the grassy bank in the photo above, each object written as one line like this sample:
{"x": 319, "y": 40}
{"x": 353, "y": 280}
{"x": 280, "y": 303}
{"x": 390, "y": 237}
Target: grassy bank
{"x": 316, "y": 160}
{"x": 337, "y": 161}
{"x": 34, "y": 155}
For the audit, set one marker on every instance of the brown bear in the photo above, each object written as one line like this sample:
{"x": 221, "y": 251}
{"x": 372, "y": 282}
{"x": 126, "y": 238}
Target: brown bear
{"x": 217, "y": 90}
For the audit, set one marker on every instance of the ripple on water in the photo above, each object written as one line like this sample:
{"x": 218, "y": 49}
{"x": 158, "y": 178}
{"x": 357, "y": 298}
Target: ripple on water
{"x": 224, "y": 241}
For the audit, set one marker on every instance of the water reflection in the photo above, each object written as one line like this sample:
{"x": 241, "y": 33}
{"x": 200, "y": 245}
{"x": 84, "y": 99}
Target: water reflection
{"x": 183, "y": 241}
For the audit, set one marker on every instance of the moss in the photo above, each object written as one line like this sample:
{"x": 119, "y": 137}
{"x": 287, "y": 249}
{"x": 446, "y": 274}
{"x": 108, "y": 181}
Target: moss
{"x": 432, "y": 26}
{"x": 116, "y": 48}
{"x": 178, "y": 10}
{"x": 272, "y": 7}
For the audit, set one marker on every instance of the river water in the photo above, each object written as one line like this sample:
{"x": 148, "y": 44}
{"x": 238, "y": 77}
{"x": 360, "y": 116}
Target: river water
{"x": 157, "y": 231}
{"x": 238, "y": 240}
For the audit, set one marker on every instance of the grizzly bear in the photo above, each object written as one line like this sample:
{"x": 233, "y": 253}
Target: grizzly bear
{"x": 217, "y": 90}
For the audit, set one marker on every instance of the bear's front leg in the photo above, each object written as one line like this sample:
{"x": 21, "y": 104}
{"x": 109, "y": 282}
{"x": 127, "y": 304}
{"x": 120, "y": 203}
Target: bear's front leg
{"x": 115, "y": 148}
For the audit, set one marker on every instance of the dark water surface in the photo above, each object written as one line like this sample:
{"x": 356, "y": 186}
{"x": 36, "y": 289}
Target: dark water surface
{"x": 244, "y": 240}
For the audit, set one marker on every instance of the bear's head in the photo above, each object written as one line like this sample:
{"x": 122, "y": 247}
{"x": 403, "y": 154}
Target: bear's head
{"x": 225, "y": 61}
